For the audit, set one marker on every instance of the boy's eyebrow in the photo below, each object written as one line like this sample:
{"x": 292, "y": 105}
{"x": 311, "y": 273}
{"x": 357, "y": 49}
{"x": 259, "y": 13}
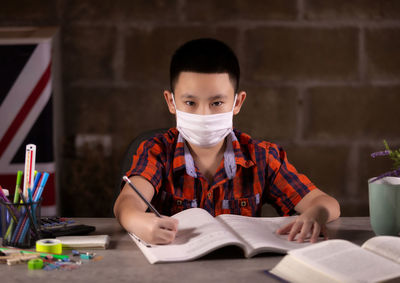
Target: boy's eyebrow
{"x": 188, "y": 95}
{"x": 218, "y": 96}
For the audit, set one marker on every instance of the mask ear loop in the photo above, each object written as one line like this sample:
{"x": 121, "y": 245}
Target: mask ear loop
{"x": 173, "y": 100}
{"x": 234, "y": 102}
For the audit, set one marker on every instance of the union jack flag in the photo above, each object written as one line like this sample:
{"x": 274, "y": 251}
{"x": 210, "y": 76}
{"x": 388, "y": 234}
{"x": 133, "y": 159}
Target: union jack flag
{"x": 26, "y": 113}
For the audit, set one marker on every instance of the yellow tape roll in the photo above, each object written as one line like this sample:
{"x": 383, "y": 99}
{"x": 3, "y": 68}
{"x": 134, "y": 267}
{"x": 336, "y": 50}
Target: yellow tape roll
{"x": 52, "y": 246}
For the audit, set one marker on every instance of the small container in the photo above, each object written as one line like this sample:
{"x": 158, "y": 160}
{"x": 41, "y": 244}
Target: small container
{"x": 20, "y": 223}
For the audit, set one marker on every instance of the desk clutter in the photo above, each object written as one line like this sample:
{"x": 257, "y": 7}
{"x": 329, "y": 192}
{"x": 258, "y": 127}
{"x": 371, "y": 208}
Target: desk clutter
{"x": 48, "y": 256}
{"x": 19, "y": 217}
{"x": 49, "y": 253}
{"x": 21, "y": 224}
{"x": 22, "y": 227}
{"x": 56, "y": 254}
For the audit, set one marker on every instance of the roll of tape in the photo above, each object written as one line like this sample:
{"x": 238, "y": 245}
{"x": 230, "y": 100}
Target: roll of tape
{"x": 36, "y": 263}
{"x": 52, "y": 246}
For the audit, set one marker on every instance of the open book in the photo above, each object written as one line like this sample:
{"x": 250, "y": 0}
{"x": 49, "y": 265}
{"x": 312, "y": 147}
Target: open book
{"x": 199, "y": 233}
{"x": 377, "y": 260}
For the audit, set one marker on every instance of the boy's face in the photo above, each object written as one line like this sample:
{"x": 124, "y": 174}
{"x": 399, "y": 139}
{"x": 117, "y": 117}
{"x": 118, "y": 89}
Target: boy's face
{"x": 204, "y": 94}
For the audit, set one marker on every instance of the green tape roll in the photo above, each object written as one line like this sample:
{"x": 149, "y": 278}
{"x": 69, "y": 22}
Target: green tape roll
{"x": 52, "y": 246}
{"x": 34, "y": 264}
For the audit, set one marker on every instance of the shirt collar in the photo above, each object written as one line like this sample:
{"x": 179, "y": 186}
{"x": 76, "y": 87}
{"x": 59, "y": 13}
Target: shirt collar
{"x": 242, "y": 159}
{"x": 233, "y": 156}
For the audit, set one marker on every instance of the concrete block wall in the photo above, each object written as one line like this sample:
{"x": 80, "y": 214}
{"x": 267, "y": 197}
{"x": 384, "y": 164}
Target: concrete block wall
{"x": 322, "y": 76}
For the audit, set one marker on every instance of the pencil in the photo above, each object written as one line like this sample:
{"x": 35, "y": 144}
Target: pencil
{"x": 141, "y": 196}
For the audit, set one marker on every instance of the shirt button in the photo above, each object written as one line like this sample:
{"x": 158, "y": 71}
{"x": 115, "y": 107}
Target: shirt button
{"x": 243, "y": 203}
{"x": 179, "y": 202}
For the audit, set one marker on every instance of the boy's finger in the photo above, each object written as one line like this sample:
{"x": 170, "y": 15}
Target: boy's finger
{"x": 285, "y": 229}
{"x": 315, "y": 234}
{"x": 168, "y": 223}
{"x": 295, "y": 230}
{"x": 165, "y": 236}
{"x": 305, "y": 230}
{"x": 324, "y": 232}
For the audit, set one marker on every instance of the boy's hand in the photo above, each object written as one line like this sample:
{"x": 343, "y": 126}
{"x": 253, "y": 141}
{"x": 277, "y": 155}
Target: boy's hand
{"x": 312, "y": 221}
{"x": 156, "y": 230}
{"x": 130, "y": 212}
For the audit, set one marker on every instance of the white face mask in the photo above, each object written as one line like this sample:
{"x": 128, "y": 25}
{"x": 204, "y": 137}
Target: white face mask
{"x": 204, "y": 130}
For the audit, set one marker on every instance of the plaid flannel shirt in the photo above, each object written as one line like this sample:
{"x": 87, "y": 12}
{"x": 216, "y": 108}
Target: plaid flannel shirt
{"x": 251, "y": 173}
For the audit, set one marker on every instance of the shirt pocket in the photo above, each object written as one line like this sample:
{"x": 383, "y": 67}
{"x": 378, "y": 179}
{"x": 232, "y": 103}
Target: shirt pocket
{"x": 172, "y": 204}
{"x": 246, "y": 206}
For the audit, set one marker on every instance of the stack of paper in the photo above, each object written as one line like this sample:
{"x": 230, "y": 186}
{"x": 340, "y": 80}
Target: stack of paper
{"x": 92, "y": 242}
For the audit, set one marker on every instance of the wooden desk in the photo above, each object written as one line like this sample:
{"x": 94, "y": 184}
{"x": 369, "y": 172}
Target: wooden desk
{"x": 124, "y": 262}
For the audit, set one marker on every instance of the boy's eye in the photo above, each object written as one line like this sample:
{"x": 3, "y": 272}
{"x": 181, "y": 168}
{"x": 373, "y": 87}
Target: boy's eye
{"x": 189, "y": 103}
{"x": 217, "y": 103}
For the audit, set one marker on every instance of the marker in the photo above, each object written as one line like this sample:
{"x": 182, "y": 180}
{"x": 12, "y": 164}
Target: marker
{"x": 36, "y": 183}
{"x": 16, "y": 199}
{"x": 141, "y": 196}
{"x": 30, "y": 195}
{"x": 17, "y": 186}
{"x": 38, "y": 192}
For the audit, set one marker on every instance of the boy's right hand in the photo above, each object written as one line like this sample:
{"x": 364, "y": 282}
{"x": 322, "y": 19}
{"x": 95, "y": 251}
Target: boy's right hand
{"x": 130, "y": 209}
{"x": 156, "y": 230}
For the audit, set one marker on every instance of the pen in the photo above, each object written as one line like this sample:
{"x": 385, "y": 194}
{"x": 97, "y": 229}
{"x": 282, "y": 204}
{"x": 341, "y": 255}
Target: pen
{"x": 141, "y": 196}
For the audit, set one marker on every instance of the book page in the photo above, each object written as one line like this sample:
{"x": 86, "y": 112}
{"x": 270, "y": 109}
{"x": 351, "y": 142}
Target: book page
{"x": 296, "y": 271}
{"x": 259, "y": 233}
{"x": 198, "y": 234}
{"x": 347, "y": 262}
{"x": 386, "y": 246}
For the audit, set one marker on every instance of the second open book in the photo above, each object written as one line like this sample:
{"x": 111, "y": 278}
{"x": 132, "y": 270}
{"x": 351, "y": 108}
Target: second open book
{"x": 377, "y": 260}
{"x": 199, "y": 234}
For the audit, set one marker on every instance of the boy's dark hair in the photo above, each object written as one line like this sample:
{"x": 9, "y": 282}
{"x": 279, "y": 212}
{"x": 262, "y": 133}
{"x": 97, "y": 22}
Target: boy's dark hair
{"x": 205, "y": 55}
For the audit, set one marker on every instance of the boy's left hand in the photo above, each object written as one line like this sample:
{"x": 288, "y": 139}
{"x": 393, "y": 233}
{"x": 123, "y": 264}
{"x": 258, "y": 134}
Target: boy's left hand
{"x": 312, "y": 221}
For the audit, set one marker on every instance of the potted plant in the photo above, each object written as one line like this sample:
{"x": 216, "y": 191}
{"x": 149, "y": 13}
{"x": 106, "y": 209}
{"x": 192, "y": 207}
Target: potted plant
{"x": 384, "y": 196}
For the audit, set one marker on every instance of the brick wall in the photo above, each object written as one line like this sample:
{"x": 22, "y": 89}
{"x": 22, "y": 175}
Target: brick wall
{"x": 322, "y": 76}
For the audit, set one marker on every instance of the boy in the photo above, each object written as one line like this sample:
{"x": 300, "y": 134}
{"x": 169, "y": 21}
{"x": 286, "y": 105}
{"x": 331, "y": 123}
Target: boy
{"x": 205, "y": 163}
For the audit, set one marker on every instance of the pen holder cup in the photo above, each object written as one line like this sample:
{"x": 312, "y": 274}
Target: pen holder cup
{"x": 384, "y": 206}
{"x": 20, "y": 223}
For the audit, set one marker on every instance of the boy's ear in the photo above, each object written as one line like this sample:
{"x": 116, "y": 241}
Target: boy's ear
{"x": 168, "y": 99}
{"x": 241, "y": 96}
